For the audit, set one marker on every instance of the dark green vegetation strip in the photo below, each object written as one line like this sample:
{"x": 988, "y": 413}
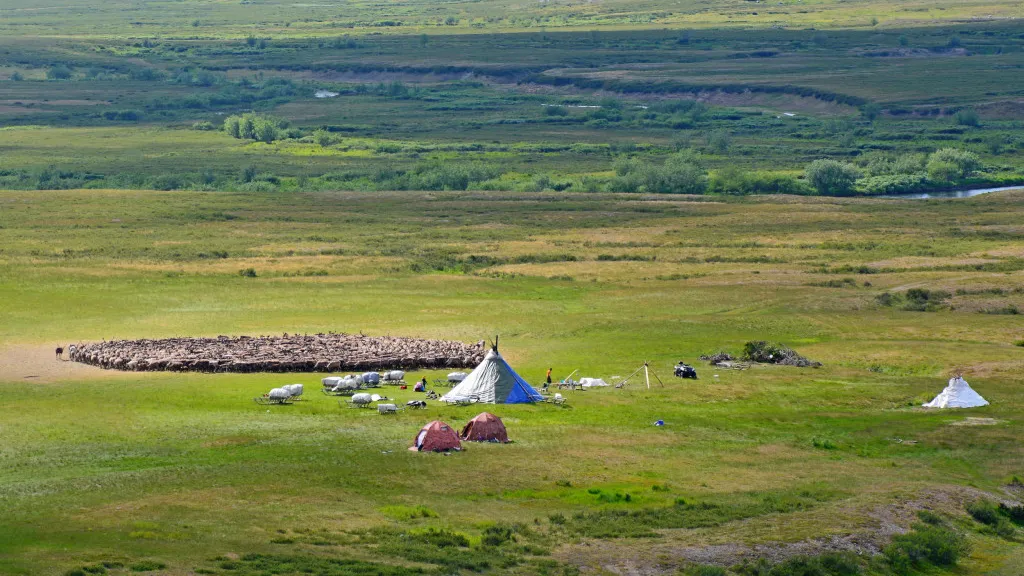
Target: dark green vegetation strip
{"x": 642, "y": 523}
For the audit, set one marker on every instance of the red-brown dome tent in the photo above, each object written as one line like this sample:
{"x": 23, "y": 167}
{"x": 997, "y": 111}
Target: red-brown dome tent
{"x": 485, "y": 427}
{"x": 436, "y": 437}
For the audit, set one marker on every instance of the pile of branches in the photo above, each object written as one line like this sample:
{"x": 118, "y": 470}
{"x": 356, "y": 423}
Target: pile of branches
{"x": 772, "y": 353}
{"x": 307, "y": 353}
{"x": 717, "y": 358}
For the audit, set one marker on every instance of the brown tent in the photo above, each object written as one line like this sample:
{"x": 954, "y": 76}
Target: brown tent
{"x": 436, "y": 437}
{"x": 486, "y": 427}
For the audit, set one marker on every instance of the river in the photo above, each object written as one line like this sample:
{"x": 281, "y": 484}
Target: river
{"x": 949, "y": 194}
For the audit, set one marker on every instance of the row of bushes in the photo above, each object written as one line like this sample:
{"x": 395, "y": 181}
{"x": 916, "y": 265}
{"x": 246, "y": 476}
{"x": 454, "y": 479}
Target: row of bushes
{"x": 901, "y": 175}
{"x": 678, "y": 175}
{"x": 255, "y": 127}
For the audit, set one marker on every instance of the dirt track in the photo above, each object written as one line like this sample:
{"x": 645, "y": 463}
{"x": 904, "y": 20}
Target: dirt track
{"x": 39, "y": 364}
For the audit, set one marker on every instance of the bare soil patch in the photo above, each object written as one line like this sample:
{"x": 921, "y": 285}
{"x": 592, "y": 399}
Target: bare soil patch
{"x": 39, "y": 364}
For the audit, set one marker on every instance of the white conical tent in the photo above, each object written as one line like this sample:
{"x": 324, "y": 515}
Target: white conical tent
{"x": 494, "y": 382}
{"x": 958, "y": 394}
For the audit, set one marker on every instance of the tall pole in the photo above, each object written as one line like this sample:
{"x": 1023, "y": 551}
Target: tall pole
{"x": 647, "y": 376}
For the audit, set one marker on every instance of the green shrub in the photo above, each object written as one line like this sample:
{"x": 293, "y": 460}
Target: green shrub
{"x": 892, "y": 184}
{"x": 1014, "y": 513}
{"x": 943, "y": 171}
{"x": 965, "y": 163}
{"x": 323, "y": 138}
{"x": 967, "y": 117}
{"x": 915, "y": 300}
{"x": 925, "y": 544}
{"x": 870, "y": 111}
{"x": 247, "y": 272}
{"x": 733, "y": 180}
{"x": 682, "y": 173}
{"x": 824, "y": 444}
{"x": 59, "y": 72}
{"x": 147, "y": 566}
{"x": 497, "y": 535}
{"x": 255, "y": 127}
{"x": 440, "y": 538}
{"x": 996, "y": 517}
{"x": 718, "y": 141}
{"x": 832, "y": 178}
{"x": 408, "y": 512}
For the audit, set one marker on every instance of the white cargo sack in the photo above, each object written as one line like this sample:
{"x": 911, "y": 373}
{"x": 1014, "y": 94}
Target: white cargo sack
{"x": 361, "y": 398}
{"x": 387, "y": 408}
{"x": 457, "y": 376}
{"x": 331, "y": 382}
{"x": 371, "y": 378}
{"x": 958, "y": 394}
{"x": 592, "y": 382}
{"x": 294, "y": 389}
{"x": 279, "y": 394}
{"x": 394, "y": 375}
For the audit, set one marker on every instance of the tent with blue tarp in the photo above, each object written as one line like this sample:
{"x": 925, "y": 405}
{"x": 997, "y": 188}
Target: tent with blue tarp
{"x": 494, "y": 382}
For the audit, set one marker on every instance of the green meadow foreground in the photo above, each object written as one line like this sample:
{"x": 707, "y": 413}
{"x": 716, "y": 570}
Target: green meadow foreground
{"x": 183, "y": 474}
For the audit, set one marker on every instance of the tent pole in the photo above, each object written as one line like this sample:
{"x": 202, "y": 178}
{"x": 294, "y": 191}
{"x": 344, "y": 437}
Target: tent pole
{"x": 647, "y": 376}
{"x": 623, "y": 382}
{"x": 659, "y": 379}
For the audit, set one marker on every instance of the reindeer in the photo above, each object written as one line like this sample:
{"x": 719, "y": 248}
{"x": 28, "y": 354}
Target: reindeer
{"x": 60, "y": 353}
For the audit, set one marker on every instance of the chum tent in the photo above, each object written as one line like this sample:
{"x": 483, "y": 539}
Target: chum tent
{"x": 958, "y": 394}
{"x": 494, "y": 382}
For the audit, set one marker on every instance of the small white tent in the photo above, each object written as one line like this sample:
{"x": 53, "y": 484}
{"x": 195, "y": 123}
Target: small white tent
{"x": 958, "y": 394}
{"x": 494, "y": 382}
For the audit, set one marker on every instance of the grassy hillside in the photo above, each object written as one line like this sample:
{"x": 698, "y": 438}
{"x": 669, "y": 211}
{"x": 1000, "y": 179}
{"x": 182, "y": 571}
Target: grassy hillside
{"x": 513, "y": 110}
{"x": 183, "y": 471}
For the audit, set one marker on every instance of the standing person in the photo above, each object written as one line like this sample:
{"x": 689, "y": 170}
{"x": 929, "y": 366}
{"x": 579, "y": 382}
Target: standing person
{"x": 548, "y": 378}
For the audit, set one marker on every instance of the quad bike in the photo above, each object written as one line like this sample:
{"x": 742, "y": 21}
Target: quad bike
{"x": 685, "y": 371}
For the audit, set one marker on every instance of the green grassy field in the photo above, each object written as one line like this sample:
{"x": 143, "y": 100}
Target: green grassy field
{"x": 516, "y": 168}
{"x": 184, "y": 474}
